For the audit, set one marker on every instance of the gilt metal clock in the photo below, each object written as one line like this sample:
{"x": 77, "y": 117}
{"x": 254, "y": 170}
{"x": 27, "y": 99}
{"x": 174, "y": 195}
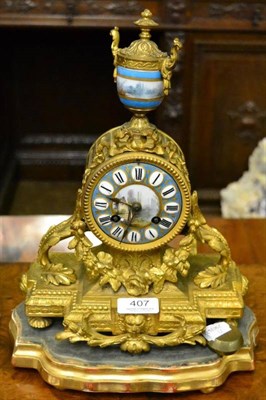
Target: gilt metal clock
{"x": 138, "y": 290}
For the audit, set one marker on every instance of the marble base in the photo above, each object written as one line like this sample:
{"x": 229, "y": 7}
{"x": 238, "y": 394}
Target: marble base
{"x": 170, "y": 369}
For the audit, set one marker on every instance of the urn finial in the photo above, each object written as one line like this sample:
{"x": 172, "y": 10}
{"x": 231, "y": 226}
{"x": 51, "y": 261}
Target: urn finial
{"x": 142, "y": 70}
{"x": 145, "y": 24}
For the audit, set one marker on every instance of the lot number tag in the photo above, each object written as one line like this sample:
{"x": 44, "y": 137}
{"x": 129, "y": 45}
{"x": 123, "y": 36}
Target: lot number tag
{"x": 216, "y": 330}
{"x": 149, "y": 305}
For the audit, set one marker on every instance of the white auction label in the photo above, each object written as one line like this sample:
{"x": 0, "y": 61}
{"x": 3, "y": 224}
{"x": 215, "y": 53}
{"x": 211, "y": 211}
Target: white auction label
{"x": 138, "y": 305}
{"x": 216, "y": 330}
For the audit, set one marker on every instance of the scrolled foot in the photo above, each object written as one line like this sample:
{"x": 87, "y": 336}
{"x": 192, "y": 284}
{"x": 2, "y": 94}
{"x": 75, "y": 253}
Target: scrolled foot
{"x": 39, "y": 322}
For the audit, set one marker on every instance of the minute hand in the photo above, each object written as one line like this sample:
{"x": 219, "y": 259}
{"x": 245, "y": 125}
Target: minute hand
{"x": 115, "y": 200}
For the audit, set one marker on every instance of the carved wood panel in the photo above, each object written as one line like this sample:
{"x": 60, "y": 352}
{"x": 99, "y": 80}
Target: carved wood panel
{"x": 228, "y": 106}
{"x": 211, "y": 14}
{"x": 170, "y": 113}
{"x": 80, "y": 12}
{"x": 229, "y": 14}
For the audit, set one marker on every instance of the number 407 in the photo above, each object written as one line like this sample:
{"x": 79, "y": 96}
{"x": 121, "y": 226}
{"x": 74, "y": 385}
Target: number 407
{"x": 139, "y": 303}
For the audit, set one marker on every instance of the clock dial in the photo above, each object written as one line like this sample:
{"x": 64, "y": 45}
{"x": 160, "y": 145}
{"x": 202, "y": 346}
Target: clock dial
{"x": 136, "y": 204}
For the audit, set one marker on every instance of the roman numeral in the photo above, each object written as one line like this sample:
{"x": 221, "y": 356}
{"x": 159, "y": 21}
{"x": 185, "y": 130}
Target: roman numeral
{"x": 117, "y": 232}
{"x": 151, "y": 233}
{"x": 105, "y": 188}
{"x": 100, "y": 204}
{"x": 119, "y": 177}
{"x": 172, "y": 208}
{"x": 133, "y": 237}
{"x": 156, "y": 179}
{"x": 167, "y": 192}
{"x": 138, "y": 174}
{"x": 165, "y": 223}
{"x": 106, "y": 219}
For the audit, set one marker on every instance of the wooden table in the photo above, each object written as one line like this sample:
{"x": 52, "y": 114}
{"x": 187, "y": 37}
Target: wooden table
{"x": 247, "y": 239}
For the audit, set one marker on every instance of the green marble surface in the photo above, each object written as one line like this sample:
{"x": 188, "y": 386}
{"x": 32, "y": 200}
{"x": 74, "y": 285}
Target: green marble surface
{"x": 82, "y": 354}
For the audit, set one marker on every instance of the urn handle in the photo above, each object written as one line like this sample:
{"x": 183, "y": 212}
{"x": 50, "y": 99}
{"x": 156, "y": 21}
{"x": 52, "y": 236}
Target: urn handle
{"x": 169, "y": 64}
{"x": 114, "y": 47}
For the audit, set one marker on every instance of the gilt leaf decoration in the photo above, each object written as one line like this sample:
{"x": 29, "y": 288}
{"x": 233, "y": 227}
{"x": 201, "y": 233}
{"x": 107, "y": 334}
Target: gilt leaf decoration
{"x": 57, "y": 275}
{"x": 213, "y": 277}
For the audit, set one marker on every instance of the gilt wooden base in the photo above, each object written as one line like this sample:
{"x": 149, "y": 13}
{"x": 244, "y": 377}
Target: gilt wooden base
{"x": 80, "y": 367}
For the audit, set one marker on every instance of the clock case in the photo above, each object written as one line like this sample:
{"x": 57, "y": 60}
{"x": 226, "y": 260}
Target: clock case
{"x": 82, "y": 287}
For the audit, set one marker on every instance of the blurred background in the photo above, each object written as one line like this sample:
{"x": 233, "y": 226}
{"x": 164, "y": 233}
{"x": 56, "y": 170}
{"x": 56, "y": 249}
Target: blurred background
{"x": 57, "y": 93}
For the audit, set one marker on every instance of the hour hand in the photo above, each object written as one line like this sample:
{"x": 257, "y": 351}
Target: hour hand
{"x": 128, "y": 223}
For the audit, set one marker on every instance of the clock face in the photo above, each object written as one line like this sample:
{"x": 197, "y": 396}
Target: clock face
{"x": 136, "y": 205}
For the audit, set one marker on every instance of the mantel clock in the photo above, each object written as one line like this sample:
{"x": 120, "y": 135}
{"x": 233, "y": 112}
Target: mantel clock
{"x": 144, "y": 289}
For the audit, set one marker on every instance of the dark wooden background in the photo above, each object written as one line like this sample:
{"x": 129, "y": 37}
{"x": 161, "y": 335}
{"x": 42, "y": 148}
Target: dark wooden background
{"x": 57, "y": 93}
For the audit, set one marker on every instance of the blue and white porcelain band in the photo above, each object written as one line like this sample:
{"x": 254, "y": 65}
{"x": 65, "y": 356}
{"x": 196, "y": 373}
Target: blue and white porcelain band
{"x": 140, "y": 103}
{"x": 134, "y": 73}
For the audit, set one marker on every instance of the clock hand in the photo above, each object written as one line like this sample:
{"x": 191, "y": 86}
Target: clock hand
{"x": 135, "y": 208}
{"x": 115, "y": 200}
{"x": 128, "y": 222}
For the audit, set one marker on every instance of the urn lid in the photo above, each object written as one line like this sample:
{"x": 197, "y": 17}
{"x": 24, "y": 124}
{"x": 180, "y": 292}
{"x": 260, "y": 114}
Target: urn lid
{"x": 142, "y": 53}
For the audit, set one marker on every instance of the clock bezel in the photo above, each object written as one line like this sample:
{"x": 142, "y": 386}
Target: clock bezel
{"x": 96, "y": 175}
